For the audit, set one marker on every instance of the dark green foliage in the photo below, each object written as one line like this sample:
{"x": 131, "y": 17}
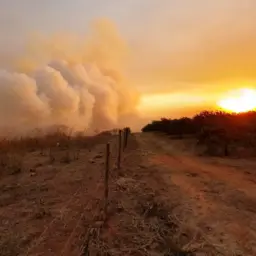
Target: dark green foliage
{"x": 222, "y": 125}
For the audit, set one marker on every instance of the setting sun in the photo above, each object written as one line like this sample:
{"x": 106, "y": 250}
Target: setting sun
{"x": 243, "y": 102}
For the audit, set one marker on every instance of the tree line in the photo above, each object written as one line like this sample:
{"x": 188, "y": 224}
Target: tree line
{"x": 210, "y": 127}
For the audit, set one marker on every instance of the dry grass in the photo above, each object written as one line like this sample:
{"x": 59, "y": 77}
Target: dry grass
{"x": 216, "y": 195}
{"x": 44, "y": 183}
{"x": 140, "y": 220}
{"x": 51, "y": 193}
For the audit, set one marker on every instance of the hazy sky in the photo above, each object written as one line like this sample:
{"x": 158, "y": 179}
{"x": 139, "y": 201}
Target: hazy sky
{"x": 198, "y": 47}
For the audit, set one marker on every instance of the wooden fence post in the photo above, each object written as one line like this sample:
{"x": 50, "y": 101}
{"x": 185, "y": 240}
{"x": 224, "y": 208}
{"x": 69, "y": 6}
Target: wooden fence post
{"x": 125, "y": 138}
{"x": 124, "y": 132}
{"x": 106, "y": 179}
{"x": 119, "y": 149}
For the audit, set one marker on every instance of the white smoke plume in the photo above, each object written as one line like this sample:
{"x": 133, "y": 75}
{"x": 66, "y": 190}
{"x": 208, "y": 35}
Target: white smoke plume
{"x": 79, "y": 87}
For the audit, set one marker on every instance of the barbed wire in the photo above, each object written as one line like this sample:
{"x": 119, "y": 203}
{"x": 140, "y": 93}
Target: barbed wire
{"x": 37, "y": 241}
{"x": 79, "y": 190}
{"x": 78, "y": 222}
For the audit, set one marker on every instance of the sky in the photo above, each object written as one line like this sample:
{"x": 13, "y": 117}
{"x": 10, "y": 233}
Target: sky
{"x": 183, "y": 55}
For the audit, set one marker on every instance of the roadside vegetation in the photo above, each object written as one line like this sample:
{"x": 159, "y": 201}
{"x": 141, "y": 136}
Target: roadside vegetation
{"x": 221, "y": 133}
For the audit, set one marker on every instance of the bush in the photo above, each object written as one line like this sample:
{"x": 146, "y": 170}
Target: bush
{"x": 224, "y": 127}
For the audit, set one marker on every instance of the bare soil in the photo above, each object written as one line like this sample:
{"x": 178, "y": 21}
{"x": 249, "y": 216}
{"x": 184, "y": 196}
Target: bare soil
{"x": 45, "y": 195}
{"x": 165, "y": 200}
{"x": 219, "y": 192}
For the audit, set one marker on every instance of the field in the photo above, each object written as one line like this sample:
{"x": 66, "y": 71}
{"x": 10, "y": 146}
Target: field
{"x": 165, "y": 199}
{"x": 44, "y": 189}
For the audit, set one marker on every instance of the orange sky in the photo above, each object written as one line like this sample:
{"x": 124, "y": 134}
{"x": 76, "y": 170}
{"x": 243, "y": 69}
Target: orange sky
{"x": 195, "y": 59}
{"x": 182, "y": 56}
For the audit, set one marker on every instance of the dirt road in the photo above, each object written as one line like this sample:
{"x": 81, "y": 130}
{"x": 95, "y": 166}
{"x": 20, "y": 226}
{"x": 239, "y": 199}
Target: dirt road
{"x": 218, "y": 195}
{"x": 164, "y": 200}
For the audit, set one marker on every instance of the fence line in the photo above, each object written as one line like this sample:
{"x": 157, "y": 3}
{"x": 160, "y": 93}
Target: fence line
{"x": 126, "y": 131}
{"x": 122, "y": 144}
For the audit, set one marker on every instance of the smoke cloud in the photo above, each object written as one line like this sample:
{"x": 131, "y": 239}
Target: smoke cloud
{"x": 65, "y": 81}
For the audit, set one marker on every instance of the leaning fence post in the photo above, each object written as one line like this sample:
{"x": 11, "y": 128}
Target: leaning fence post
{"x": 119, "y": 149}
{"x": 106, "y": 178}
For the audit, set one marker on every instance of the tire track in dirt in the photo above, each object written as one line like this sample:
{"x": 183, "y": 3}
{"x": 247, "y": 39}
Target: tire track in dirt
{"x": 228, "y": 175}
{"x": 225, "y": 201}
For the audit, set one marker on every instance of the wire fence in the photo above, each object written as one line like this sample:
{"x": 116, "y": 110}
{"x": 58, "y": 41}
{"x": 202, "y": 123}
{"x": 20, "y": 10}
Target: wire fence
{"x": 114, "y": 150}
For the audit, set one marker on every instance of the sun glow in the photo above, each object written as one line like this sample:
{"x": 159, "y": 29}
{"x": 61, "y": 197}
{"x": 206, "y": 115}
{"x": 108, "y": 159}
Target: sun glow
{"x": 243, "y": 102}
